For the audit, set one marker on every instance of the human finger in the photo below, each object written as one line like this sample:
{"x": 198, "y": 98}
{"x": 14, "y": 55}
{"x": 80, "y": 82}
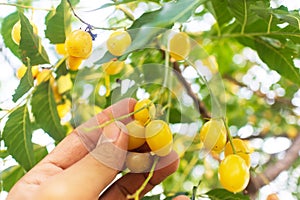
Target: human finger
{"x": 74, "y": 147}
{"x": 181, "y": 197}
{"x": 129, "y": 183}
{"x": 90, "y": 175}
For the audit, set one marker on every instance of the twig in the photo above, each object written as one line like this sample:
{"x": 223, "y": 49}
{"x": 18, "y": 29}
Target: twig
{"x": 89, "y": 25}
{"x": 137, "y": 193}
{"x": 199, "y": 104}
{"x": 272, "y": 171}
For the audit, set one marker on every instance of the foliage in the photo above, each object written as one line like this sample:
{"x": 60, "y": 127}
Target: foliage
{"x": 251, "y": 46}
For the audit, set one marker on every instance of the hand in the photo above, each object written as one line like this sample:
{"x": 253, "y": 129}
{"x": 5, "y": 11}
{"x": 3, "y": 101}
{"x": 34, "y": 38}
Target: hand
{"x": 70, "y": 171}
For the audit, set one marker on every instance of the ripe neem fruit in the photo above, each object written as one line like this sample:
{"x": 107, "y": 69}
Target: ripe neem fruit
{"x": 146, "y": 114}
{"x": 179, "y": 46}
{"x": 159, "y": 137}
{"x": 272, "y": 196}
{"x": 22, "y": 70}
{"x": 136, "y": 132}
{"x": 241, "y": 149}
{"x": 213, "y": 135}
{"x": 79, "y": 44}
{"x": 234, "y": 173}
{"x": 60, "y": 49}
{"x": 44, "y": 76}
{"x": 118, "y": 42}
{"x": 73, "y": 63}
{"x": 138, "y": 162}
{"x": 113, "y": 67}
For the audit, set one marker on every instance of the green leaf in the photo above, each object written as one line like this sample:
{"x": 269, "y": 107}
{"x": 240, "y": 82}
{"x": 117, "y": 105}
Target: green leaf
{"x": 58, "y": 23}
{"x": 10, "y": 176}
{"x": 284, "y": 15}
{"x": 278, "y": 59}
{"x": 39, "y": 152}
{"x": 177, "y": 117}
{"x": 45, "y": 112}
{"x": 170, "y": 13}
{"x": 61, "y": 70}
{"x": 17, "y": 135}
{"x": 3, "y": 154}
{"x": 222, "y": 194}
{"x": 154, "y": 197}
{"x": 241, "y": 10}
{"x": 30, "y": 44}
{"x": 142, "y": 30}
{"x": 25, "y": 84}
{"x": 6, "y": 29}
{"x": 219, "y": 9}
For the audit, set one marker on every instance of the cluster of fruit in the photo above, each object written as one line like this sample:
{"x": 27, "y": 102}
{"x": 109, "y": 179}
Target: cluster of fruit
{"x": 78, "y": 46}
{"x": 233, "y": 171}
{"x": 147, "y": 137}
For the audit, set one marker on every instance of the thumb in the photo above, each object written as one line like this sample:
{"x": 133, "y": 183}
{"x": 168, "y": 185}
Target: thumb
{"x": 90, "y": 175}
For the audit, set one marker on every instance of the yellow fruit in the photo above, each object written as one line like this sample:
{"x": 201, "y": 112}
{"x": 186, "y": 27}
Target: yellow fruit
{"x": 179, "y": 46}
{"x": 73, "y": 63}
{"x": 234, "y": 173}
{"x": 60, "y": 49}
{"x": 44, "y": 76}
{"x": 159, "y": 137}
{"x": 79, "y": 44}
{"x": 292, "y": 132}
{"x": 22, "y": 70}
{"x": 64, "y": 108}
{"x": 241, "y": 149}
{"x": 113, "y": 67}
{"x": 64, "y": 83}
{"x": 272, "y": 197}
{"x": 16, "y": 31}
{"x": 69, "y": 128}
{"x": 118, "y": 42}
{"x": 57, "y": 96}
{"x": 146, "y": 114}
{"x": 213, "y": 135}
{"x": 138, "y": 162}
{"x": 136, "y": 132}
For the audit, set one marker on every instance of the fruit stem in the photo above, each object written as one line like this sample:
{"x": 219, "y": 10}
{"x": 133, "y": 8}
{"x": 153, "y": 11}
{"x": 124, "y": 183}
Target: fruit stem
{"x": 89, "y": 25}
{"x": 60, "y": 62}
{"x": 229, "y": 136}
{"x": 107, "y": 84}
{"x": 118, "y": 118}
{"x": 167, "y": 83}
{"x": 137, "y": 193}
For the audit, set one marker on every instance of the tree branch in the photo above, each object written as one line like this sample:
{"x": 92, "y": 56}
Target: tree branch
{"x": 272, "y": 171}
{"x": 198, "y": 104}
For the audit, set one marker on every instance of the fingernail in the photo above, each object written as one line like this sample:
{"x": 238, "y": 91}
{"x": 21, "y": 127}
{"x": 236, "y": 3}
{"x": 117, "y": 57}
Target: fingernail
{"x": 121, "y": 126}
{"x": 112, "y": 131}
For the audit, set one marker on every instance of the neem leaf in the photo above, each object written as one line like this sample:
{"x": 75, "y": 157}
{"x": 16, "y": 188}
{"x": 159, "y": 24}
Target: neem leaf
{"x": 30, "y": 44}
{"x": 278, "y": 59}
{"x": 17, "y": 136}
{"x": 25, "y": 84}
{"x": 45, "y": 112}
{"x": 170, "y": 13}
{"x": 58, "y": 23}
{"x": 222, "y": 194}
{"x": 6, "y": 28}
{"x": 10, "y": 176}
